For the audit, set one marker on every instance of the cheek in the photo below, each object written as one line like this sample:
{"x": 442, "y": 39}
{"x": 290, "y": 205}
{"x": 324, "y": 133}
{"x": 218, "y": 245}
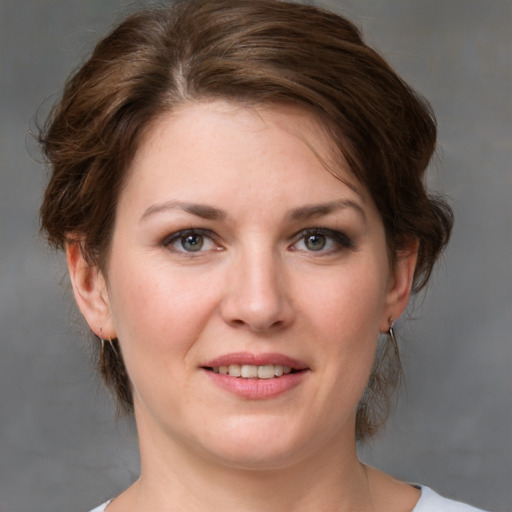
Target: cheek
{"x": 346, "y": 301}
{"x": 158, "y": 310}
{"x": 158, "y": 317}
{"x": 345, "y": 313}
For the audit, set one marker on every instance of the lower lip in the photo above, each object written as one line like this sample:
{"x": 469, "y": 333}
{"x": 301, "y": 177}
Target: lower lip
{"x": 257, "y": 389}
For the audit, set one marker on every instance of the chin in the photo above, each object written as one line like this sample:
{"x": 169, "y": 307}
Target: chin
{"x": 261, "y": 444}
{"x": 256, "y": 459}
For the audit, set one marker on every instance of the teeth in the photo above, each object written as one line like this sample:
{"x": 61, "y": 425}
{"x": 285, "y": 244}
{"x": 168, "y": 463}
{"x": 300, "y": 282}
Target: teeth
{"x": 250, "y": 371}
{"x": 266, "y": 372}
{"x": 235, "y": 370}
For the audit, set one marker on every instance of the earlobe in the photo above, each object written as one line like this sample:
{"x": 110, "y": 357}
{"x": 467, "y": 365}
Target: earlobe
{"x": 90, "y": 291}
{"x": 400, "y": 284}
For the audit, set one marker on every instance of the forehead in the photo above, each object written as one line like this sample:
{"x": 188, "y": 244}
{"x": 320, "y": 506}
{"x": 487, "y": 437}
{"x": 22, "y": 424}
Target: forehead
{"x": 203, "y": 138}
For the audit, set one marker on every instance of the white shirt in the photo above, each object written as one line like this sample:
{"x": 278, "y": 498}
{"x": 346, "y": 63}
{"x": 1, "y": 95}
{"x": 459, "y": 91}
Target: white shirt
{"x": 429, "y": 501}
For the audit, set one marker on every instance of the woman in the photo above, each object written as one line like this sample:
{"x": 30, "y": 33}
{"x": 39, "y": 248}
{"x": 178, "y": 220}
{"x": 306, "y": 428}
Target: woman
{"x": 237, "y": 185}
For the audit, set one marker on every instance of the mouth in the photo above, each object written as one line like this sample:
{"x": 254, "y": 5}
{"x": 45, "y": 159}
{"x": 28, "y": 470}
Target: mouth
{"x": 255, "y": 376}
{"x": 255, "y": 366}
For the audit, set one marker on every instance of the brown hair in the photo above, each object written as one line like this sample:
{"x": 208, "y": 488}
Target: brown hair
{"x": 250, "y": 51}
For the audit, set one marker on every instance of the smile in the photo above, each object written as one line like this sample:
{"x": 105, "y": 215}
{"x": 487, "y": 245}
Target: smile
{"x": 256, "y": 376}
{"x": 250, "y": 371}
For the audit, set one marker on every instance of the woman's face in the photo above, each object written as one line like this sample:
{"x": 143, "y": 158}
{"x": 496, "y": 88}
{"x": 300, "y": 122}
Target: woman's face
{"x": 236, "y": 251}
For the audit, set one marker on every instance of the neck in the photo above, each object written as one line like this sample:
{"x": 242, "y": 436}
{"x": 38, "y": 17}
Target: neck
{"x": 175, "y": 477}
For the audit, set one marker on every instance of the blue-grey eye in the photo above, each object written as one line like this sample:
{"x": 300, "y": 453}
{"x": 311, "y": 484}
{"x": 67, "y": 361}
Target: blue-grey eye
{"x": 315, "y": 242}
{"x": 192, "y": 242}
{"x": 322, "y": 240}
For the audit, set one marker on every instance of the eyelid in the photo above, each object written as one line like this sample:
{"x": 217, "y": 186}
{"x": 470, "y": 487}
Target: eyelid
{"x": 339, "y": 237}
{"x": 173, "y": 237}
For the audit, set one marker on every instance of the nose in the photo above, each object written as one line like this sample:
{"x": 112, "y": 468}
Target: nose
{"x": 257, "y": 295}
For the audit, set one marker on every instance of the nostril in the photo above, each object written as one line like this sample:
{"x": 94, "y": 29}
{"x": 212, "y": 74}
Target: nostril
{"x": 237, "y": 322}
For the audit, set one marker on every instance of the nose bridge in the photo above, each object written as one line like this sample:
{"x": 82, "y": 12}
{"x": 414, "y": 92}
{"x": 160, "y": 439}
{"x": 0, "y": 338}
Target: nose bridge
{"x": 256, "y": 293}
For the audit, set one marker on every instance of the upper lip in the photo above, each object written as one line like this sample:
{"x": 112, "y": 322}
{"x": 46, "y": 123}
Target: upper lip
{"x": 256, "y": 360}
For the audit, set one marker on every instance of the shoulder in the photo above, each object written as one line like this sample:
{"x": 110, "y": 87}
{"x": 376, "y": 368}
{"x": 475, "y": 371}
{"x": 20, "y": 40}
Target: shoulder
{"x": 101, "y": 508}
{"x": 430, "y": 501}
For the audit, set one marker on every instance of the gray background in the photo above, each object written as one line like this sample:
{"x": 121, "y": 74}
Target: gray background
{"x": 60, "y": 446}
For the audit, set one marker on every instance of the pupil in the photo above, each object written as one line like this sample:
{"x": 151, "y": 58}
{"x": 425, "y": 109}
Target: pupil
{"x": 315, "y": 242}
{"x": 192, "y": 243}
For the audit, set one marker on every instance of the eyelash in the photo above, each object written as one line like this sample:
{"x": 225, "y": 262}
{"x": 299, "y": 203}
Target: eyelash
{"x": 181, "y": 236}
{"x": 340, "y": 239}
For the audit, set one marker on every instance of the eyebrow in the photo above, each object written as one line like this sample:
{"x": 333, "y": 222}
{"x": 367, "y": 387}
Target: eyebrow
{"x": 210, "y": 213}
{"x": 199, "y": 210}
{"x": 319, "y": 210}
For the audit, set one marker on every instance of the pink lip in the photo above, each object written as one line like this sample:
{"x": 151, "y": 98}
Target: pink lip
{"x": 256, "y": 389}
{"x": 255, "y": 359}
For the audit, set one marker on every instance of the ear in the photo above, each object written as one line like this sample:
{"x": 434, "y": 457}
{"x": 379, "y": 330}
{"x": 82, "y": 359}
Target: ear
{"x": 90, "y": 291}
{"x": 400, "y": 284}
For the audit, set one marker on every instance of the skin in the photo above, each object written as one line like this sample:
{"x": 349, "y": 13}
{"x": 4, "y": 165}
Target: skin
{"x": 259, "y": 284}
